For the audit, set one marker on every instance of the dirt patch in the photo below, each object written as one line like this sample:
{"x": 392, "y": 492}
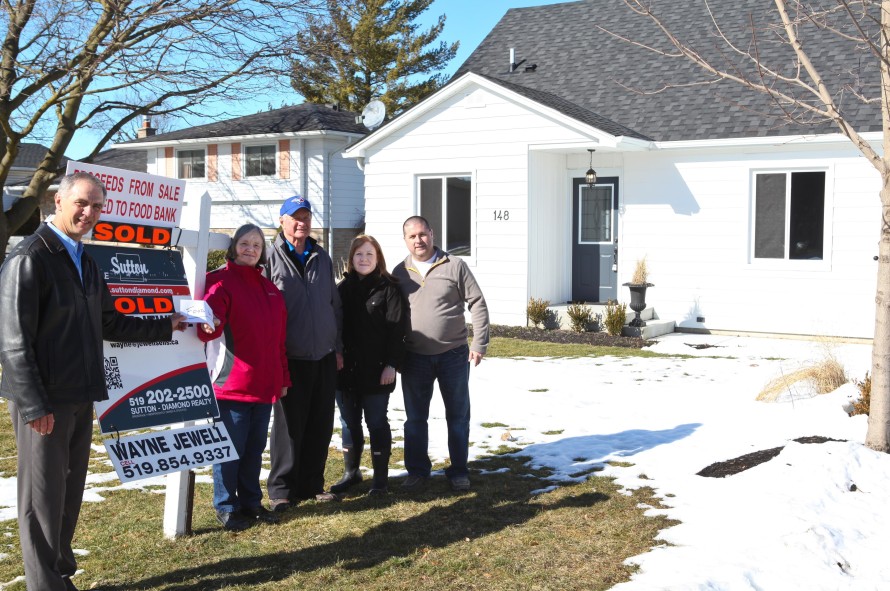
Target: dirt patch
{"x": 742, "y": 463}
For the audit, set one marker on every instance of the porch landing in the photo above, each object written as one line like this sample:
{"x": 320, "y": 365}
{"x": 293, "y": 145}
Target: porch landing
{"x": 655, "y": 327}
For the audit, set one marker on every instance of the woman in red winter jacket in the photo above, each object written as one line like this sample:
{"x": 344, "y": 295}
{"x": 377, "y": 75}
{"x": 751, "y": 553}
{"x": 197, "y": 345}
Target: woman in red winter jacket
{"x": 248, "y": 367}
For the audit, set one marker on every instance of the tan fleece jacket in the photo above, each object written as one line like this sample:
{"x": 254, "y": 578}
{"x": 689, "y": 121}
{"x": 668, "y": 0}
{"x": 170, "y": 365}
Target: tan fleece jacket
{"x": 437, "y": 305}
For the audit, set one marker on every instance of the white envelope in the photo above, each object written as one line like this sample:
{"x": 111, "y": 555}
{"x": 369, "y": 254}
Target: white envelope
{"x": 196, "y": 311}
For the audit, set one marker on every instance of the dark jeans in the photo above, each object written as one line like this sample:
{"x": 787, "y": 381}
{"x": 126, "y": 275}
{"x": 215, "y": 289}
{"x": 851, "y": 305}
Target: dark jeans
{"x": 419, "y": 372}
{"x": 236, "y": 484}
{"x": 374, "y": 407}
{"x": 52, "y": 471}
{"x": 301, "y": 430}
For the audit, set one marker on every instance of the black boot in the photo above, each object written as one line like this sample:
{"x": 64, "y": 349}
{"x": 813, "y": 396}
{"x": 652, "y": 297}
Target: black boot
{"x": 380, "y": 461}
{"x": 352, "y": 475}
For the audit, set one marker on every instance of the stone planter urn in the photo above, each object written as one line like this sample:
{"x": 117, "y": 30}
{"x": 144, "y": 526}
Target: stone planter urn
{"x": 638, "y": 302}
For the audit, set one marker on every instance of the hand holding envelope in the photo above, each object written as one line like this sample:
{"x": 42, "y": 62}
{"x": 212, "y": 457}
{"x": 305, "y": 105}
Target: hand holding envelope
{"x": 197, "y": 311}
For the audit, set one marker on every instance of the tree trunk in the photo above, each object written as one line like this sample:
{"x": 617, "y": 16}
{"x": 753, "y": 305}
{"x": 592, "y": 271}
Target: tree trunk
{"x": 878, "y": 435}
{"x": 12, "y": 220}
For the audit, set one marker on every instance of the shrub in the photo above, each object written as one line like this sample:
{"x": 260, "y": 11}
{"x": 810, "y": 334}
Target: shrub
{"x": 553, "y": 320}
{"x": 641, "y": 273}
{"x": 216, "y": 259}
{"x": 616, "y": 316}
{"x": 824, "y": 376}
{"x": 581, "y": 317}
{"x": 537, "y": 311}
{"x": 860, "y": 407}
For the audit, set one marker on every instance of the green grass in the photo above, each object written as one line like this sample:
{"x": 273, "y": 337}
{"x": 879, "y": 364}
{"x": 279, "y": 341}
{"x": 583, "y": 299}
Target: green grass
{"x": 498, "y": 536}
{"x": 504, "y": 347}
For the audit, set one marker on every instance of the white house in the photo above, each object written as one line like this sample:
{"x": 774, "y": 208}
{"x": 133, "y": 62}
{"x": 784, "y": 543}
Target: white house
{"x": 249, "y": 165}
{"x": 747, "y": 222}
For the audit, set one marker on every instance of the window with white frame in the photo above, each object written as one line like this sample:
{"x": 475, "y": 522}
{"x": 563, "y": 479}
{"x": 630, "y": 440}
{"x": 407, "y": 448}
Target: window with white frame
{"x": 191, "y": 164}
{"x": 789, "y": 215}
{"x": 445, "y": 202}
{"x": 259, "y": 160}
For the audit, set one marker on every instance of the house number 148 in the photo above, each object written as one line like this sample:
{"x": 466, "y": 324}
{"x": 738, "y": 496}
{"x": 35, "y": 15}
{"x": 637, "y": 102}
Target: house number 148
{"x": 502, "y": 215}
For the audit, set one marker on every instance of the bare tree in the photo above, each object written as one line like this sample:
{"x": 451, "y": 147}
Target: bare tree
{"x": 73, "y": 64}
{"x": 807, "y": 87}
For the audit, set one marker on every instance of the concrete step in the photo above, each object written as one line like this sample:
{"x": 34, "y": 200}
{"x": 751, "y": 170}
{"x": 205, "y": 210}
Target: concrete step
{"x": 653, "y": 328}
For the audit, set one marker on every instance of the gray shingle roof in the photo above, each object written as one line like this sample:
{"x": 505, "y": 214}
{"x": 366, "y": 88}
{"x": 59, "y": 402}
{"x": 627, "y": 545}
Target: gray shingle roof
{"x": 26, "y": 161}
{"x": 305, "y": 117}
{"x": 588, "y": 74}
{"x": 136, "y": 160}
{"x": 571, "y": 109}
{"x": 30, "y": 155}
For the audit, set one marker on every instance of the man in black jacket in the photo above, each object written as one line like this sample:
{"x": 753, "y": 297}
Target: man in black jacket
{"x": 55, "y": 310}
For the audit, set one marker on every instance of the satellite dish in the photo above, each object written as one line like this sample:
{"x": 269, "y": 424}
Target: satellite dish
{"x": 373, "y": 114}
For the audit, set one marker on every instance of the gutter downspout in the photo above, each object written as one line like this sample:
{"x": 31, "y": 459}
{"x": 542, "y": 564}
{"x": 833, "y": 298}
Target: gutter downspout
{"x": 328, "y": 201}
{"x": 304, "y": 173}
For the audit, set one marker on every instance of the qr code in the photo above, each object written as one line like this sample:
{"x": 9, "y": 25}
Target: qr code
{"x": 112, "y": 374}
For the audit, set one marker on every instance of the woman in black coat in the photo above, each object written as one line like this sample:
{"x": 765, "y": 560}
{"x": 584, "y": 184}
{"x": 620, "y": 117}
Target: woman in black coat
{"x": 374, "y": 324}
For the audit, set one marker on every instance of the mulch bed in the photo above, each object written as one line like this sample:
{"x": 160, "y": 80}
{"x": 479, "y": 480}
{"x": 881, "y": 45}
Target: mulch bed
{"x": 742, "y": 463}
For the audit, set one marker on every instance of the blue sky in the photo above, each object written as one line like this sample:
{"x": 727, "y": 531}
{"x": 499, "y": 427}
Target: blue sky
{"x": 468, "y": 21}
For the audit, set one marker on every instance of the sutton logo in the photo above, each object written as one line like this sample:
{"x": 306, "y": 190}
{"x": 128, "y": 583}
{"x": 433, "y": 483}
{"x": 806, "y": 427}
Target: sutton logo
{"x": 128, "y": 268}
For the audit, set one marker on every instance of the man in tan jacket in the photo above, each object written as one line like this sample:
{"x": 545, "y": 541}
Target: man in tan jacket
{"x": 439, "y": 288}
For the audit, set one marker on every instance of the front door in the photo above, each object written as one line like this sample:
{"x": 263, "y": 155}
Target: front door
{"x": 595, "y": 240}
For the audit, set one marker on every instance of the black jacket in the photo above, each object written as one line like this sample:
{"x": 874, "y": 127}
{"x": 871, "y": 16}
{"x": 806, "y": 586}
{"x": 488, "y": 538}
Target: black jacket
{"x": 374, "y": 324}
{"x": 52, "y": 326}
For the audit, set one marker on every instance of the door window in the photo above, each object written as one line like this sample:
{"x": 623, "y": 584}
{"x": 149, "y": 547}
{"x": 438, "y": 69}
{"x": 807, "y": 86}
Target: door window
{"x": 595, "y": 214}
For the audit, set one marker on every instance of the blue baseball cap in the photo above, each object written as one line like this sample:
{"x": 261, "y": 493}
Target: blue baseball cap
{"x": 294, "y": 204}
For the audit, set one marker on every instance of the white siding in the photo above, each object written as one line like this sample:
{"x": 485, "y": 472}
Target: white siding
{"x": 688, "y": 212}
{"x": 479, "y": 134}
{"x": 550, "y": 189}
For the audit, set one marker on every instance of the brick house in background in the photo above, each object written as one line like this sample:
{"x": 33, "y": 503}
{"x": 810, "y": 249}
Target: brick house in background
{"x": 249, "y": 165}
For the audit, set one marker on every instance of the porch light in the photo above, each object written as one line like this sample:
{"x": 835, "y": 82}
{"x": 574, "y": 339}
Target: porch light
{"x": 590, "y": 176}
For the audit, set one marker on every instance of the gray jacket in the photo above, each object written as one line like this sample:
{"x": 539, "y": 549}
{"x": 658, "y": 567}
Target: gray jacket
{"x": 314, "y": 315}
{"x": 437, "y": 303}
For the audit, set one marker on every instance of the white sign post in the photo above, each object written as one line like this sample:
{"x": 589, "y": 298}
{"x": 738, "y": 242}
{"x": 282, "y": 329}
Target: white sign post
{"x": 196, "y": 241}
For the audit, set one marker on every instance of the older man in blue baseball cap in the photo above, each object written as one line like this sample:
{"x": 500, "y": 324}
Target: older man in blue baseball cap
{"x": 304, "y": 419}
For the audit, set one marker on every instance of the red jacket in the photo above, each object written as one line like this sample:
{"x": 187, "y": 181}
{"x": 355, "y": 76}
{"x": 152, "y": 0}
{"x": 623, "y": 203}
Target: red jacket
{"x": 246, "y": 352}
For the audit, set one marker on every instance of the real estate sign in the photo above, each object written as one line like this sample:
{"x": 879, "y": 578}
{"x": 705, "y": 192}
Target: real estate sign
{"x": 151, "y": 384}
{"x": 139, "y": 208}
{"x": 162, "y": 452}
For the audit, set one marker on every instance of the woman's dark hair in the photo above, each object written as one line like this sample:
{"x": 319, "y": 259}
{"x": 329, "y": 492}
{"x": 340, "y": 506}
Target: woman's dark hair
{"x": 239, "y": 234}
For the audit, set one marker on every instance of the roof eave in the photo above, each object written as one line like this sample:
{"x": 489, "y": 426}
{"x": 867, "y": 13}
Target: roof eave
{"x": 237, "y": 138}
{"x": 873, "y": 137}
